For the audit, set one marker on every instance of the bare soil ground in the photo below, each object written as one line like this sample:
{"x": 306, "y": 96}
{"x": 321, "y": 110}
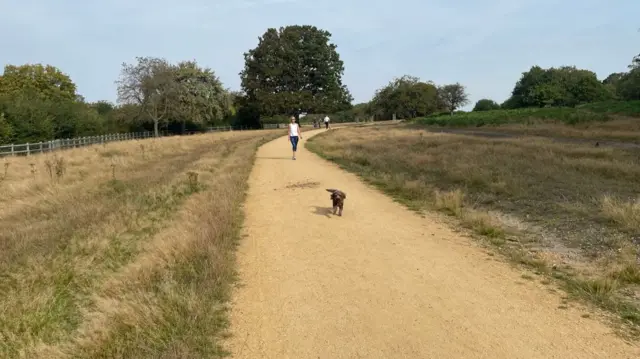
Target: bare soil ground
{"x": 383, "y": 281}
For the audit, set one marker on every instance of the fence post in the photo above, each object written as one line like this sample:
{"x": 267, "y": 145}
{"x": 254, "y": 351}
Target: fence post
{"x": 28, "y": 151}
{"x": 12, "y": 150}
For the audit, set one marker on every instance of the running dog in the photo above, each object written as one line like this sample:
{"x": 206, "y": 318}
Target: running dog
{"x": 337, "y": 197}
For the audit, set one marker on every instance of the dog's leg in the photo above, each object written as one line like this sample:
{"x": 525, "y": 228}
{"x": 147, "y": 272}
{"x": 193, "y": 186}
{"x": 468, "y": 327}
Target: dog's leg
{"x": 340, "y": 212}
{"x": 335, "y": 208}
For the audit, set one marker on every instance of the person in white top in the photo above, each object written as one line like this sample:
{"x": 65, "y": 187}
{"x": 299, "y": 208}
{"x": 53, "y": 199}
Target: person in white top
{"x": 326, "y": 122}
{"x": 294, "y": 134}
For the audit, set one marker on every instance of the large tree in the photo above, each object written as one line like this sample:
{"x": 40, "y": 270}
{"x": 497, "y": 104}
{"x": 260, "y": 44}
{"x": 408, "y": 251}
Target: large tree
{"x": 42, "y": 80}
{"x": 201, "y": 97}
{"x": 166, "y": 92}
{"x": 453, "y": 96}
{"x": 149, "y": 83}
{"x": 407, "y": 97}
{"x": 562, "y": 86}
{"x": 40, "y": 102}
{"x": 294, "y": 69}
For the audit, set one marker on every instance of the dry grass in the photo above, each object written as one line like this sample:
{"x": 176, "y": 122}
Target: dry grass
{"x": 621, "y": 129}
{"x": 123, "y": 250}
{"x": 563, "y": 209}
{"x": 623, "y": 213}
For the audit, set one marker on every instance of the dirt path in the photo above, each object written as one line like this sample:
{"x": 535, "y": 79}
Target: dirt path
{"x": 382, "y": 282}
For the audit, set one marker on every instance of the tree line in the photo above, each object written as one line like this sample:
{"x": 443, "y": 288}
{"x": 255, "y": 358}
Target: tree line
{"x": 408, "y": 97}
{"x": 292, "y": 70}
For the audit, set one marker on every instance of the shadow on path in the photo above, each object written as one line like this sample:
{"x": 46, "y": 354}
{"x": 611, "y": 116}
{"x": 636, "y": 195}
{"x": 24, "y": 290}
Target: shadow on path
{"x": 322, "y": 211}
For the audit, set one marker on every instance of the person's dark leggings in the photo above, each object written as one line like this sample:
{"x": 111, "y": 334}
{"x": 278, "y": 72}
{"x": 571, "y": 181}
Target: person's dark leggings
{"x": 326, "y": 125}
{"x": 294, "y": 142}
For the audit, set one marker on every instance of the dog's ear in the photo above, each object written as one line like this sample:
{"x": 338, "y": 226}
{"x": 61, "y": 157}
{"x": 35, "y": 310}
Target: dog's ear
{"x": 331, "y": 190}
{"x": 344, "y": 195}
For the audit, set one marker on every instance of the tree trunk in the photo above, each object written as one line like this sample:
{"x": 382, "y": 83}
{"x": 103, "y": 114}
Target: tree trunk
{"x": 156, "y": 131}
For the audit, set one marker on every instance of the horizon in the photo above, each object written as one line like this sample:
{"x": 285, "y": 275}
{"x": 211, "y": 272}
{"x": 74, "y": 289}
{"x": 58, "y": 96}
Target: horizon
{"x": 485, "y": 47}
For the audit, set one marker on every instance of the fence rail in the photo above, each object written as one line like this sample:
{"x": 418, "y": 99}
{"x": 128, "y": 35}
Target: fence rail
{"x": 60, "y": 144}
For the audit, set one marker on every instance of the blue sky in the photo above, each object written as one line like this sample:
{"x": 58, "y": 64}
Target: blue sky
{"x": 484, "y": 45}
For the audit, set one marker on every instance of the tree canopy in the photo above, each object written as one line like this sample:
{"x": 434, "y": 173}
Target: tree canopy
{"x": 41, "y": 80}
{"x": 563, "y": 86}
{"x": 294, "y": 69}
{"x": 486, "y": 105}
{"x": 453, "y": 96}
{"x": 165, "y": 92}
{"x": 406, "y": 97}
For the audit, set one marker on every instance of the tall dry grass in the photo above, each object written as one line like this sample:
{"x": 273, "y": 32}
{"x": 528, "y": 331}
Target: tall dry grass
{"x": 560, "y": 208}
{"x": 127, "y": 251}
{"x": 622, "y": 129}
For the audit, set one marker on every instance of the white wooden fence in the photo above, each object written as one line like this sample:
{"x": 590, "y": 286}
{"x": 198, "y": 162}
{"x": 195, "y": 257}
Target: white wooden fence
{"x": 53, "y": 145}
{"x": 60, "y": 144}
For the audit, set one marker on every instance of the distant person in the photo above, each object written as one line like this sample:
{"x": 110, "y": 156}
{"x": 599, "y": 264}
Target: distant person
{"x": 294, "y": 134}
{"x": 326, "y": 122}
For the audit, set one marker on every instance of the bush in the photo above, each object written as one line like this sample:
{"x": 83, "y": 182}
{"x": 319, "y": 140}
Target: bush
{"x": 500, "y": 117}
{"x": 486, "y": 105}
{"x": 627, "y": 108}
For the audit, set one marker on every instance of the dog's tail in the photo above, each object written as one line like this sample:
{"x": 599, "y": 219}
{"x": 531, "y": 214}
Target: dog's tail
{"x": 344, "y": 195}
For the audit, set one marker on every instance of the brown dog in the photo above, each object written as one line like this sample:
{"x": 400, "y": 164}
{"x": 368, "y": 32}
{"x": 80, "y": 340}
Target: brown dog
{"x": 337, "y": 197}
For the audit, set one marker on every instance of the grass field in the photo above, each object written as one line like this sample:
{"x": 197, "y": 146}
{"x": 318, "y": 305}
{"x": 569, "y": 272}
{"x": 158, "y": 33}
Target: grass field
{"x": 570, "y": 212}
{"x": 122, "y": 250}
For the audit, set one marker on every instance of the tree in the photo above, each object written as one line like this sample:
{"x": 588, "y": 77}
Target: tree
{"x": 6, "y": 132}
{"x": 295, "y": 69}
{"x": 102, "y": 107}
{"x": 486, "y": 105}
{"x": 611, "y": 84}
{"x": 613, "y": 78}
{"x": 563, "y": 86}
{"x": 635, "y": 63}
{"x": 29, "y": 115}
{"x": 407, "y": 97}
{"x": 46, "y": 81}
{"x": 453, "y": 96}
{"x": 510, "y": 103}
{"x": 629, "y": 85}
{"x": 200, "y": 96}
{"x": 150, "y": 83}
